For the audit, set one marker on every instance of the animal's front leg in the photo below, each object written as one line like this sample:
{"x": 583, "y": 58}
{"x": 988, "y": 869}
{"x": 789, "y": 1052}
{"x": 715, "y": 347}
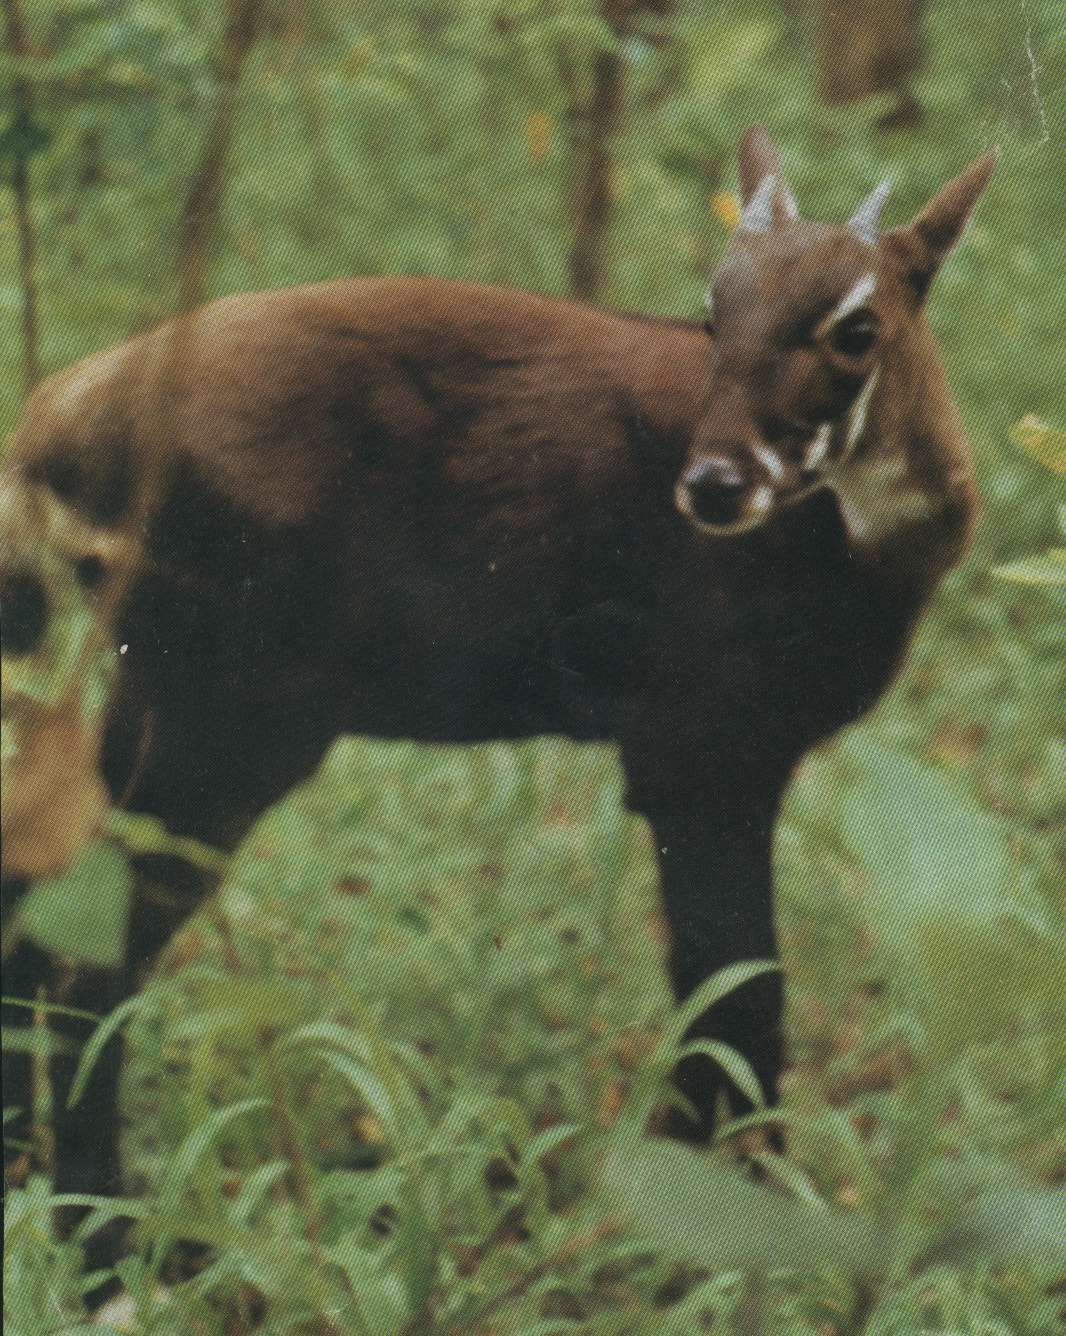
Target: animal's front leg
{"x": 714, "y": 856}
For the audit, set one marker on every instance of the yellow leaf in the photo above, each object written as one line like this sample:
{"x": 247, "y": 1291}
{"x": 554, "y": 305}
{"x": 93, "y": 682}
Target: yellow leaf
{"x": 1040, "y": 442}
{"x": 726, "y": 208}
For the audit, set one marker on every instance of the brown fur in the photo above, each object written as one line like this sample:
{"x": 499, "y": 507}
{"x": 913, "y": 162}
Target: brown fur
{"x": 429, "y": 509}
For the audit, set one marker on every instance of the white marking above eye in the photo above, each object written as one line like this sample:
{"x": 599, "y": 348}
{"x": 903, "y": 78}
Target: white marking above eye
{"x": 856, "y": 296}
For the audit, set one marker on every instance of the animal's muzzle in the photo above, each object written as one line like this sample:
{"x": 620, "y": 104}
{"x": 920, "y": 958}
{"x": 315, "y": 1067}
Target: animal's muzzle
{"x": 719, "y": 495}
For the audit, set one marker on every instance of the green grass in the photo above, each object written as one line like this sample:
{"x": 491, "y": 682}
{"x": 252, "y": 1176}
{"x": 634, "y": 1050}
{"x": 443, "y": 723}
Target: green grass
{"x": 929, "y": 1063}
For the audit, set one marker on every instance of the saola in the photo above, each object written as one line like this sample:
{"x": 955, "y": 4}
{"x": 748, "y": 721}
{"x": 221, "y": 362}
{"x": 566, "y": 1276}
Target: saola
{"x": 435, "y": 510}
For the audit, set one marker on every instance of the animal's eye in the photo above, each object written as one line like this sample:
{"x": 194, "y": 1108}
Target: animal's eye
{"x": 23, "y": 613}
{"x": 855, "y": 335}
{"x": 708, "y": 326}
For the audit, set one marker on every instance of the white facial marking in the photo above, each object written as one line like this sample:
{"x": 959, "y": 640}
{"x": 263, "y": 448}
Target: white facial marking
{"x": 683, "y": 500}
{"x": 857, "y": 419}
{"x": 769, "y": 460}
{"x": 818, "y": 447}
{"x": 708, "y": 303}
{"x": 861, "y": 293}
{"x": 761, "y": 500}
{"x": 875, "y": 507}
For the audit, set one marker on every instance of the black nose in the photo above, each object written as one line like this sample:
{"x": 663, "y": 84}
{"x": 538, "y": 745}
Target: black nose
{"x": 715, "y": 490}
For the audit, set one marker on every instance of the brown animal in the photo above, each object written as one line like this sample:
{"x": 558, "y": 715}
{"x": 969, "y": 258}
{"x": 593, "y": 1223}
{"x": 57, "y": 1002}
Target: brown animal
{"x": 441, "y": 511}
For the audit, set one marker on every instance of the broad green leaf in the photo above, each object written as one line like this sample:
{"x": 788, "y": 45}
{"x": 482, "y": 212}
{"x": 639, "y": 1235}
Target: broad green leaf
{"x": 945, "y": 897}
{"x": 84, "y": 912}
{"x": 698, "y": 1209}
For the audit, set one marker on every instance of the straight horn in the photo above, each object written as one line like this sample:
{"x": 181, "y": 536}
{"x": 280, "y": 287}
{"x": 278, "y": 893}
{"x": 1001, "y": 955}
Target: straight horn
{"x": 771, "y": 205}
{"x": 864, "y": 221}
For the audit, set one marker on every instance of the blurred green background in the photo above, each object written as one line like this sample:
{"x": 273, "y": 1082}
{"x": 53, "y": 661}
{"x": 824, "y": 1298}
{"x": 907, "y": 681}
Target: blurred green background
{"x": 461, "y": 139}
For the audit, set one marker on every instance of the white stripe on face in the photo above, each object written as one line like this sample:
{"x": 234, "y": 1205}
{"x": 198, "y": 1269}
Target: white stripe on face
{"x": 861, "y": 293}
{"x": 769, "y": 460}
{"x": 761, "y": 500}
{"x": 857, "y": 419}
{"x": 818, "y": 447}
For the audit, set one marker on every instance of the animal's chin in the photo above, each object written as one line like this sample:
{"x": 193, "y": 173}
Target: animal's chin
{"x": 756, "y": 510}
{"x": 722, "y": 511}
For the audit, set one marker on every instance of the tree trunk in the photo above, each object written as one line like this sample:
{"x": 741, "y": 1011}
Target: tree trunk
{"x": 866, "y": 47}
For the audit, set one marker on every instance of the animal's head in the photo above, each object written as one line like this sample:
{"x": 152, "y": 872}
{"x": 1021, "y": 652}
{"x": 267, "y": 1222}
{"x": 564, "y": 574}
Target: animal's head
{"x": 64, "y": 553}
{"x": 55, "y": 678}
{"x": 804, "y": 317}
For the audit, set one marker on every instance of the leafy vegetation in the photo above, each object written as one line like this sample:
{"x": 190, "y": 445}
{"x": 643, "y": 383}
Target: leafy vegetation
{"x": 1047, "y": 446}
{"x": 396, "y": 1076}
{"x": 394, "y": 1079}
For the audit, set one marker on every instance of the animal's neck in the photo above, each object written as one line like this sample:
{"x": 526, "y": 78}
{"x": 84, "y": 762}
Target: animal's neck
{"x": 664, "y": 368}
{"x": 907, "y": 493}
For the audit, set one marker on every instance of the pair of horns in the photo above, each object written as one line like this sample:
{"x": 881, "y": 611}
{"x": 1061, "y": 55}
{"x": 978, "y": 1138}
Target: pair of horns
{"x": 771, "y": 203}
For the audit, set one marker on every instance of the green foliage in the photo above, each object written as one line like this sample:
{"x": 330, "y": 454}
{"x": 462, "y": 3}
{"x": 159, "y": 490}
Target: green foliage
{"x": 43, "y": 1275}
{"x": 83, "y": 914}
{"x": 948, "y": 903}
{"x": 1047, "y": 447}
{"x": 487, "y": 903}
{"x": 388, "y": 1069}
{"x": 1042, "y": 443}
{"x": 396, "y": 1077}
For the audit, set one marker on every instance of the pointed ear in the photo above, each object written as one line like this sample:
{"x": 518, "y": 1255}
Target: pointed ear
{"x": 924, "y": 244}
{"x": 759, "y": 159}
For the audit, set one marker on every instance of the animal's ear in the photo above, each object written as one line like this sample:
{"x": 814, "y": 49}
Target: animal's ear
{"x": 764, "y": 193}
{"x": 923, "y": 244}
